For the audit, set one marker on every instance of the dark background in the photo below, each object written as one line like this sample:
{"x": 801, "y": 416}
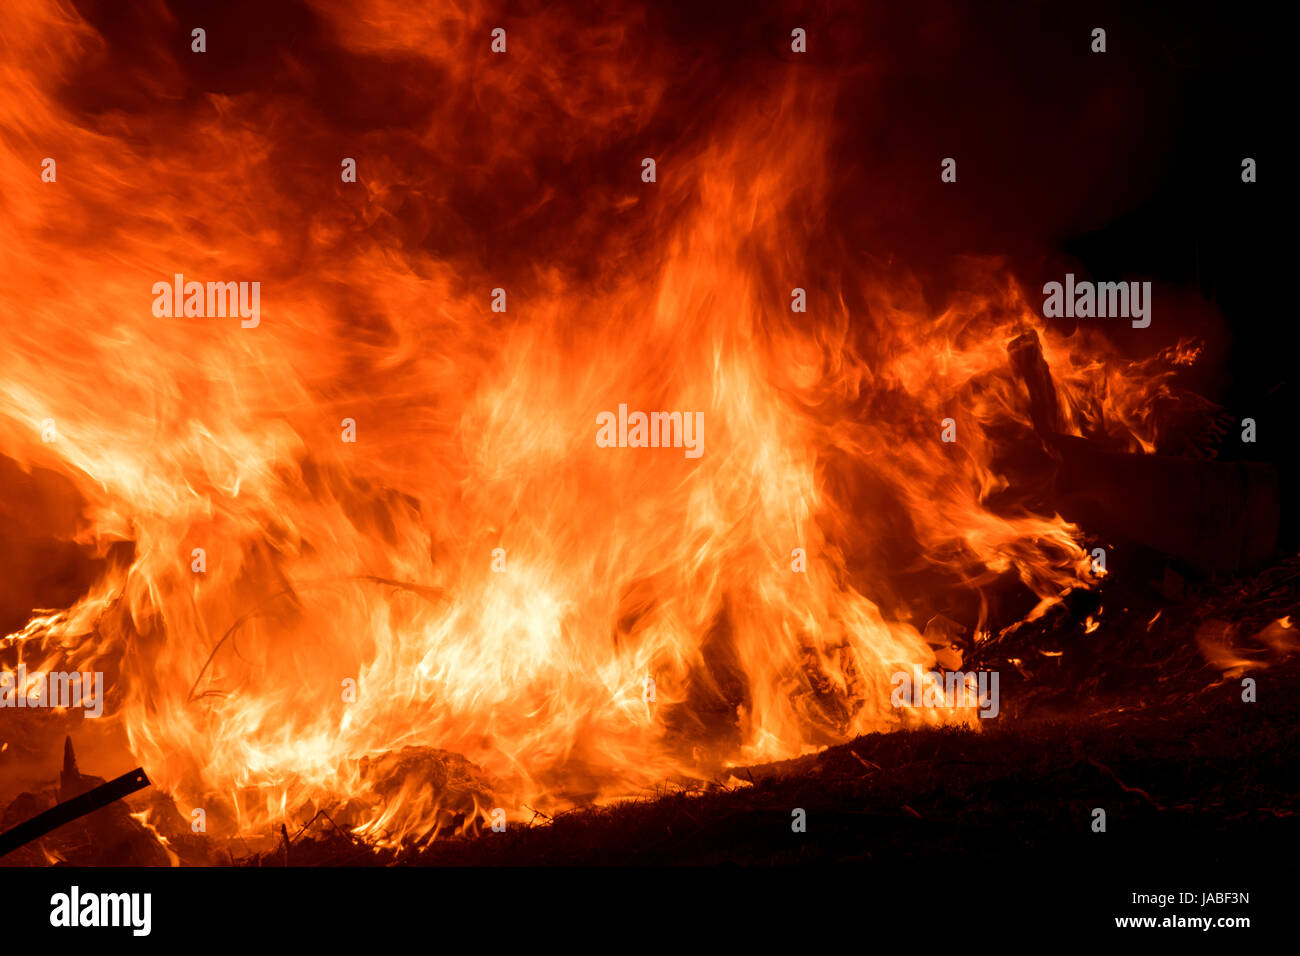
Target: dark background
{"x": 1122, "y": 164}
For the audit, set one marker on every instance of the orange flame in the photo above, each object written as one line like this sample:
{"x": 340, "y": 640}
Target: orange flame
{"x": 372, "y": 562}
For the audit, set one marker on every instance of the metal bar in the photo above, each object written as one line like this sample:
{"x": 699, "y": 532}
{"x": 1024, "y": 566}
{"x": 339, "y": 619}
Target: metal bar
{"x": 70, "y": 810}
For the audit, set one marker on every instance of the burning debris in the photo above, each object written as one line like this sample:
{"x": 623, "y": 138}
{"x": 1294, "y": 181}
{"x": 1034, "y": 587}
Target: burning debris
{"x": 108, "y": 837}
{"x": 357, "y": 570}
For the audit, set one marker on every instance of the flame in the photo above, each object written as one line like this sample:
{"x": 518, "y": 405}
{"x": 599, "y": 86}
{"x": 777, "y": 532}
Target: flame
{"x": 371, "y": 562}
{"x": 1226, "y": 649}
{"x": 143, "y": 819}
{"x": 52, "y": 857}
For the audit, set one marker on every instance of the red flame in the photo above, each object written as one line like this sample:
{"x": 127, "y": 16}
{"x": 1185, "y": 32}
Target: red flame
{"x": 328, "y": 561}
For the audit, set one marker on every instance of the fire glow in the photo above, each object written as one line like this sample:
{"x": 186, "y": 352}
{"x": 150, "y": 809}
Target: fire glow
{"x": 349, "y": 609}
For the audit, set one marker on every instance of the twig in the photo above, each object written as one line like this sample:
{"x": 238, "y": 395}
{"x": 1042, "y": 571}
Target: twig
{"x": 1123, "y": 786}
{"x": 537, "y": 813}
{"x": 421, "y": 589}
{"x": 871, "y": 767}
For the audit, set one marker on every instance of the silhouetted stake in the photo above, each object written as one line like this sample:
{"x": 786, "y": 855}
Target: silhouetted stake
{"x": 70, "y": 779}
{"x": 1026, "y": 354}
{"x": 1214, "y": 515}
{"x": 70, "y": 810}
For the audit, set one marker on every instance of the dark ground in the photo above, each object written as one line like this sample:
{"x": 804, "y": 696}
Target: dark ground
{"x": 1135, "y": 722}
{"x": 1130, "y": 718}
